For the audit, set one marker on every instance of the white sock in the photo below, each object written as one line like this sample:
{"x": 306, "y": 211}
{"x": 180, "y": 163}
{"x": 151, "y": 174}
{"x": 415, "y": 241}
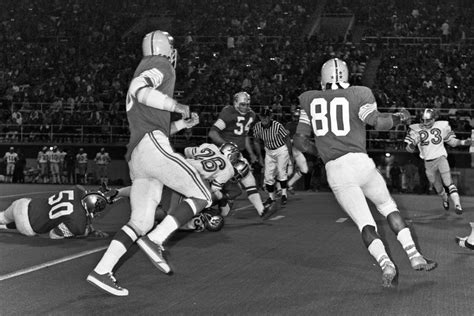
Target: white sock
{"x": 110, "y": 258}
{"x": 406, "y": 240}
{"x": 161, "y": 232}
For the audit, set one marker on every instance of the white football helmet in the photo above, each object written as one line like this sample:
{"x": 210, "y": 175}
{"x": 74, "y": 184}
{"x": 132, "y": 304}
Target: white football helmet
{"x": 242, "y": 102}
{"x": 334, "y": 71}
{"x": 241, "y": 170}
{"x": 231, "y": 151}
{"x": 428, "y": 118}
{"x": 160, "y": 43}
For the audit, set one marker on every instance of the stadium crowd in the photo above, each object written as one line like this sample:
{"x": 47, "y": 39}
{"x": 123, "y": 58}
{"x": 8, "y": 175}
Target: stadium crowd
{"x": 74, "y": 61}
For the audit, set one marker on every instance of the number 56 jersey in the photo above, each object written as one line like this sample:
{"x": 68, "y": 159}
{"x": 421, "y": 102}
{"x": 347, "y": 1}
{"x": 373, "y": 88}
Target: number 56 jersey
{"x": 64, "y": 208}
{"x": 337, "y": 118}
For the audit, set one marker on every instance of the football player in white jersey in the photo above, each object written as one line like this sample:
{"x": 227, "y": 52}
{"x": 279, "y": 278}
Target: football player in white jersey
{"x": 429, "y": 136}
{"x": 11, "y": 157}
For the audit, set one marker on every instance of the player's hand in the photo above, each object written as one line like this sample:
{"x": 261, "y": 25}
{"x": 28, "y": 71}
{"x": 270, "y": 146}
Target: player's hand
{"x": 192, "y": 121}
{"x": 98, "y": 234}
{"x": 404, "y": 115}
{"x": 183, "y": 109}
{"x": 466, "y": 142}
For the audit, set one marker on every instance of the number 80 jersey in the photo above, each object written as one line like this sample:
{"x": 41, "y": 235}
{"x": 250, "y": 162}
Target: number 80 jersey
{"x": 63, "y": 207}
{"x": 337, "y": 118}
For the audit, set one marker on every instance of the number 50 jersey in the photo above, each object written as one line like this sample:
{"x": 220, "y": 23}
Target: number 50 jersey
{"x": 337, "y": 118}
{"x": 63, "y": 208}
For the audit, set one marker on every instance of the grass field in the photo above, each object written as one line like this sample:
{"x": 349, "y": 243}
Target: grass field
{"x": 308, "y": 259}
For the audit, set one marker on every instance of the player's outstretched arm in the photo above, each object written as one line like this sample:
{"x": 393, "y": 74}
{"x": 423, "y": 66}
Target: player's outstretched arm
{"x": 385, "y": 121}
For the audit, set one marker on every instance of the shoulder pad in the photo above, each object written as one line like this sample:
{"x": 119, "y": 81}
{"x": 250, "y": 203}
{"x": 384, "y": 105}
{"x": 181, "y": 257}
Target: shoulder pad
{"x": 415, "y": 127}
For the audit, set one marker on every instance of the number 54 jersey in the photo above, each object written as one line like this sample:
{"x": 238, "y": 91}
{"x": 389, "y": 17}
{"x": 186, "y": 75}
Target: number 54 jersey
{"x": 338, "y": 119}
{"x": 64, "y": 208}
{"x": 234, "y": 126}
{"x": 430, "y": 141}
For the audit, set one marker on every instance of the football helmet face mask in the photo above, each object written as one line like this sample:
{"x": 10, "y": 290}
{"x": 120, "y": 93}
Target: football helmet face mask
{"x": 334, "y": 71}
{"x": 428, "y": 118}
{"x": 160, "y": 43}
{"x": 231, "y": 151}
{"x": 213, "y": 223}
{"x": 93, "y": 203}
{"x": 241, "y": 170}
{"x": 242, "y": 102}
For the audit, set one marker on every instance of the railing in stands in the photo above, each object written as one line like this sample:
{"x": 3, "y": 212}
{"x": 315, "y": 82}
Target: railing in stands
{"x": 118, "y": 135}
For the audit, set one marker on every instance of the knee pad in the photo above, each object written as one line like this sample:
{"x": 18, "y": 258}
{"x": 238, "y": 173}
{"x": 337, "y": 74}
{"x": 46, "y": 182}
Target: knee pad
{"x": 396, "y": 222}
{"x": 388, "y": 207}
{"x": 452, "y": 189}
{"x": 369, "y": 234}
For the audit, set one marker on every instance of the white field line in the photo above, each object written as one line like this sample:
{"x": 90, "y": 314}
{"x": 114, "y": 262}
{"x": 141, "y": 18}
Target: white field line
{"x": 50, "y": 263}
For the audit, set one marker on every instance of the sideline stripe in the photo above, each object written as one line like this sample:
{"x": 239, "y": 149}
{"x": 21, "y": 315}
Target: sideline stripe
{"x": 26, "y": 194}
{"x": 341, "y": 220}
{"x": 50, "y": 263}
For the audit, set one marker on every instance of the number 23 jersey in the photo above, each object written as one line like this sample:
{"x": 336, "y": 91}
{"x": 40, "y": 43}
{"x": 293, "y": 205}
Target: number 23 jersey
{"x": 337, "y": 118}
{"x": 64, "y": 207}
{"x": 430, "y": 141}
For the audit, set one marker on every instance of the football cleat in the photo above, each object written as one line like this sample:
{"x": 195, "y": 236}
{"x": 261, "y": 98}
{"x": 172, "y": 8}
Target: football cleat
{"x": 155, "y": 253}
{"x": 446, "y": 205}
{"x": 106, "y": 282}
{"x": 459, "y": 210}
{"x": 389, "y": 272}
{"x": 284, "y": 199}
{"x": 463, "y": 243}
{"x": 268, "y": 210}
{"x": 420, "y": 263}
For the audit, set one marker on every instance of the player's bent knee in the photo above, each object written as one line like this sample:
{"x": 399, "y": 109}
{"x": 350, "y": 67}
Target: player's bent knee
{"x": 141, "y": 227}
{"x": 369, "y": 234}
{"x": 387, "y": 207}
{"x": 396, "y": 222}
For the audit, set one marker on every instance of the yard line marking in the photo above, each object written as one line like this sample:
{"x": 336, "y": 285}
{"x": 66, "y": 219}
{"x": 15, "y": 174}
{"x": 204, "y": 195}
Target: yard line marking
{"x": 341, "y": 220}
{"x": 26, "y": 194}
{"x": 277, "y": 217}
{"x": 50, "y": 263}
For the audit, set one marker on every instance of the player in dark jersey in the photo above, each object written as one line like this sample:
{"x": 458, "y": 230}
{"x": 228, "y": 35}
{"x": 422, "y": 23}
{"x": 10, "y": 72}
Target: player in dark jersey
{"x": 233, "y": 125}
{"x": 337, "y": 116}
{"x": 153, "y": 163}
{"x": 65, "y": 214}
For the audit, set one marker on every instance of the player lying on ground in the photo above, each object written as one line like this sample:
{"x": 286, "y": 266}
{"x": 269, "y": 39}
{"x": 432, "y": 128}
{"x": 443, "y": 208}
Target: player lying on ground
{"x": 65, "y": 214}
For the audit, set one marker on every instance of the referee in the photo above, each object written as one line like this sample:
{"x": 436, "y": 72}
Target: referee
{"x": 278, "y": 151}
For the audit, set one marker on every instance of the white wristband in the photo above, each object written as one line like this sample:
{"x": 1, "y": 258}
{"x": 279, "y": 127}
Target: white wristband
{"x": 179, "y": 125}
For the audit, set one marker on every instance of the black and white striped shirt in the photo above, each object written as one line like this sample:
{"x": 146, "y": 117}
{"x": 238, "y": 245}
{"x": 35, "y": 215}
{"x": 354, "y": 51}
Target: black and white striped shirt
{"x": 273, "y": 136}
